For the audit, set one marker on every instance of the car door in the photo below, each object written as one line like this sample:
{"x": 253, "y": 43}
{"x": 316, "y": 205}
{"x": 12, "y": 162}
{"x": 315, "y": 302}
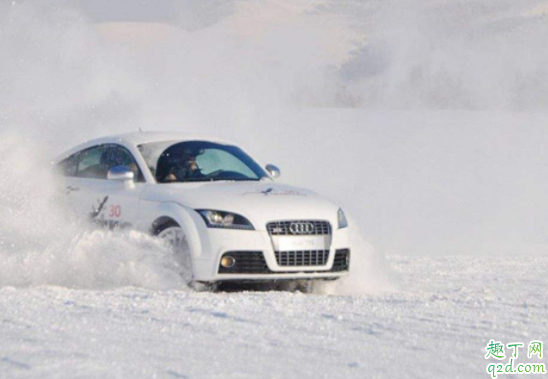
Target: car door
{"x": 110, "y": 203}
{"x": 71, "y": 187}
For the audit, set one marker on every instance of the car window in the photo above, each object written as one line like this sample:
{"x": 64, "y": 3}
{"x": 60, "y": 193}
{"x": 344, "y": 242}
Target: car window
{"x": 95, "y": 162}
{"x": 91, "y": 165}
{"x": 69, "y": 166}
{"x": 118, "y": 156}
{"x": 199, "y": 161}
{"x": 213, "y": 159}
{"x": 151, "y": 153}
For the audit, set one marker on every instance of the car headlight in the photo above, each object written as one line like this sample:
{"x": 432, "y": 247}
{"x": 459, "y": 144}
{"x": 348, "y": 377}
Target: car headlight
{"x": 343, "y": 222}
{"x": 225, "y": 220}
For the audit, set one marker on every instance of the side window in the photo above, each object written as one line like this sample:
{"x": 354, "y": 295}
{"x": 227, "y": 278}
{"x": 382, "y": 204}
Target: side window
{"x": 95, "y": 162}
{"x": 69, "y": 166}
{"x": 118, "y": 156}
{"x": 90, "y": 164}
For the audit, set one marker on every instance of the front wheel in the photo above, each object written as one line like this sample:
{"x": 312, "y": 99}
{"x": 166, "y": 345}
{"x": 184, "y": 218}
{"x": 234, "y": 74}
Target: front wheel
{"x": 174, "y": 236}
{"x": 319, "y": 286}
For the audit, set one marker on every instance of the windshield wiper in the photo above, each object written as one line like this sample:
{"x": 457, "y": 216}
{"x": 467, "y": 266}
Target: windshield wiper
{"x": 205, "y": 180}
{"x": 231, "y": 180}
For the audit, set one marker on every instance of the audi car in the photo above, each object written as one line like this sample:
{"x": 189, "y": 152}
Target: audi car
{"x": 226, "y": 216}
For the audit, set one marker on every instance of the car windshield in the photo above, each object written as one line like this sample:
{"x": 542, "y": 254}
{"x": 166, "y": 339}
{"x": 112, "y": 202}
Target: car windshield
{"x": 199, "y": 161}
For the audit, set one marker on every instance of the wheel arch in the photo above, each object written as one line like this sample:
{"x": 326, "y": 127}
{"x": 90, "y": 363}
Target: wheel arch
{"x": 170, "y": 213}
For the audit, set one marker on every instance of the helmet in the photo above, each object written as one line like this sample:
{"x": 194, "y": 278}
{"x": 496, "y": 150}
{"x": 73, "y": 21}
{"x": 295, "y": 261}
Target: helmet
{"x": 175, "y": 157}
{"x": 113, "y": 157}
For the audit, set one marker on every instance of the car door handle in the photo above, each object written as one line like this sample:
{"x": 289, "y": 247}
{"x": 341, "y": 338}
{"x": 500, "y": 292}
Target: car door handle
{"x": 70, "y": 189}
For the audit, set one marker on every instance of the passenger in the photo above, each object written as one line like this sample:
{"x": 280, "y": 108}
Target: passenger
{"x": 113, "y": 157}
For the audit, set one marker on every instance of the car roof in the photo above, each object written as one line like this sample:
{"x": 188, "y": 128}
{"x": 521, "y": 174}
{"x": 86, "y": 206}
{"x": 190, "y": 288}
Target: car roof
{"x": 138, "y": 138}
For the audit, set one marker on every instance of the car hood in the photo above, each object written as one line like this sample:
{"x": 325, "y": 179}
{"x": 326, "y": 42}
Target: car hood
{"x": 260, "y": 202}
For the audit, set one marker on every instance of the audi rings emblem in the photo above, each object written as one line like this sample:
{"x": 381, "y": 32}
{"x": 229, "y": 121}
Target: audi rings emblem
{"x": 302, "y": 228}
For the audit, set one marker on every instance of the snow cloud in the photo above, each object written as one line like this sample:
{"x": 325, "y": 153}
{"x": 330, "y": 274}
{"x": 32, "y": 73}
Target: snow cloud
{"x": 273, "y": 72}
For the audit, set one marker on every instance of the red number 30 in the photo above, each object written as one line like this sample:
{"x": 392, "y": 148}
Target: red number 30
{"x": 115, "y": 211}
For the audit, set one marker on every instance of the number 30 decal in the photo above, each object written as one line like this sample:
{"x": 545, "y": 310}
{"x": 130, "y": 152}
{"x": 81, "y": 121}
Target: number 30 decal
{"x": 115, "y": 211}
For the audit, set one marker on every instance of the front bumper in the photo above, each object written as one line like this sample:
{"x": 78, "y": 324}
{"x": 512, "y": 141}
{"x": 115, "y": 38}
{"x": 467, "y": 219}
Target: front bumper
{"x": 216, "y": 243}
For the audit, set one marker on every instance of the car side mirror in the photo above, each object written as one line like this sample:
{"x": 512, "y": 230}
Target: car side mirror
{"x": 121, "y": 173}
{"x": 273, "y": 170}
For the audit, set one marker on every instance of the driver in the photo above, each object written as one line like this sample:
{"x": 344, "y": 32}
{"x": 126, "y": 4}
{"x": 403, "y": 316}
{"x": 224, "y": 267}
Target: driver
{"x": 184, "y": 168}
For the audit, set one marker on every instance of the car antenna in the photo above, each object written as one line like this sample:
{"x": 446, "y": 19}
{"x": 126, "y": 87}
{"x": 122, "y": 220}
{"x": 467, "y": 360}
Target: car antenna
{"x": 140, "y": 130}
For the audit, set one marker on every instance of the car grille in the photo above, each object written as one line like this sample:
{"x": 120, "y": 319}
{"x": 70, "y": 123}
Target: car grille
{"x": 342, "y": 260}
{"x": 300, "y": 227}
{"x": 302, "y": 258}
{"x": 253, "y": 262}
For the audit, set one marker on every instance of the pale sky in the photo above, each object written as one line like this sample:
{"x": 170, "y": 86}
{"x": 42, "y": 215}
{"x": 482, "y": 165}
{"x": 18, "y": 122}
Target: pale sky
{"x": 147, "y": 10}
{"x": 129, "y": 10}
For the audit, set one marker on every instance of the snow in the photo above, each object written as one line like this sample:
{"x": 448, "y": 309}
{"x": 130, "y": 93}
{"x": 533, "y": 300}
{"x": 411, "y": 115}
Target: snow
{"x": 437, "y": 324}
{"x": 425, "y": 120}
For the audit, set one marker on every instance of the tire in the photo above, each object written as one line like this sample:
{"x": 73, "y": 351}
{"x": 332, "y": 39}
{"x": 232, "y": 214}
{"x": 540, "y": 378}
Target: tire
{"x": 317, "y": 286}
{"x": 173, "y": 235}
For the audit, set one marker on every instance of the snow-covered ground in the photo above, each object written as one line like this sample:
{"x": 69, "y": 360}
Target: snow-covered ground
{"x": 436, "y": 325}
{"x": 426, "y": 120}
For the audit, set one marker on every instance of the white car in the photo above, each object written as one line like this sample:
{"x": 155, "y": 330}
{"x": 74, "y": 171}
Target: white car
{"x": 225, "y": 215}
